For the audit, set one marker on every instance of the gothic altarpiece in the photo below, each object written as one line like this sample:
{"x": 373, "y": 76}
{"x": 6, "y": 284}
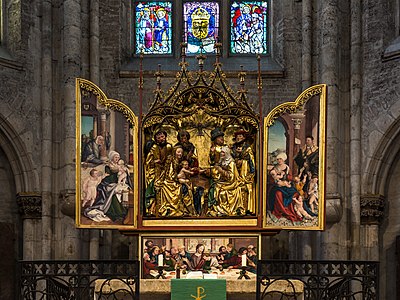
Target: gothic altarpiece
{"x": 201, "y": 163}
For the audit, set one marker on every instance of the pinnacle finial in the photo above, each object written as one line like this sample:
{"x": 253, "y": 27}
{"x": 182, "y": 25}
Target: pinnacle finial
{"x": 158, "y": 75}
{"x": 217, "y": 47}
{"x": 183, "y": 51}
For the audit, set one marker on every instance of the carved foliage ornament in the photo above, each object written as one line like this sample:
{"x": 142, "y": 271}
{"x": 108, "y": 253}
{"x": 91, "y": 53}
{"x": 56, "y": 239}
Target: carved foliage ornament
{"x": 88, "y": 86}
{"x": 372, "y": 207}
{"x": 200, "y": 90}
{"x": 30, "y": 205}
{"x": 293, "y": 107}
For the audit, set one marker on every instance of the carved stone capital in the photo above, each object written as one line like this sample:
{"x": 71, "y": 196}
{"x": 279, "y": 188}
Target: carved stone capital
{"x": 372, "y": 206}
{"x": 30, "y": 205}
{"x": 67, "y": 200}
{"x": 297, "y": 118}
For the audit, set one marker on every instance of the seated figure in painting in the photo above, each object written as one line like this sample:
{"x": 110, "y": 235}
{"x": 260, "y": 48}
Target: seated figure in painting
{"x": 169, "y": 261}
{"x": 280, "y": 197}
{"x": 235, "y": 262}
{"x": 252, "y": 259}
{"x": 225, "y": 195}
{"x": 279, "y": 177}
{"x": 200, "y": 261}
{"x": 150, "y": 261}
{"x": 230, "y": 251}
{"x": 182, "y": 257}
{"x": 221, "y": 253}
{"x": 108, "y": 203}
{"x": 92, "y": 150}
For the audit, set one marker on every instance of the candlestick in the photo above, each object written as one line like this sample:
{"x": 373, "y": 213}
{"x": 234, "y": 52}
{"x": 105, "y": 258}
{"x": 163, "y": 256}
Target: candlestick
{"x": 244, "y": 260}
{"x": 160, "y": 260}
{"x": 160, "y": 272}
{"x": 243, "y": 273}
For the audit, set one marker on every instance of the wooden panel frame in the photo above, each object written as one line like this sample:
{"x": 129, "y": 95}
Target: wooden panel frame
{"x": 106, "y": 115}
{"x": 306, "y": 116}
{"x": 192, "y": 239}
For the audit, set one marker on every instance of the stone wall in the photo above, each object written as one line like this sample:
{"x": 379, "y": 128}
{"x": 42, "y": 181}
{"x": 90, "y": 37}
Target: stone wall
{"x": 50, "y": 43}
{"x": 381, "y": 100}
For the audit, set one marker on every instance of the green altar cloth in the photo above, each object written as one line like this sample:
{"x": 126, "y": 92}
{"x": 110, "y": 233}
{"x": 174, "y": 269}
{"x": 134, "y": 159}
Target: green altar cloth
{"x": 198, "y": 289}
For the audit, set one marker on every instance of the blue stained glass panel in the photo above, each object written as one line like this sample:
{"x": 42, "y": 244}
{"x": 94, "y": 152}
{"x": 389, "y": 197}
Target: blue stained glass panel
{"x": 201, "y": 24}
{"x": 153, "y": 27}
{"x": 249, "y": 27}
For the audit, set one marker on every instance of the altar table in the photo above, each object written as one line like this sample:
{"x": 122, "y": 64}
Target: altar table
{"x": 160, "y": 289}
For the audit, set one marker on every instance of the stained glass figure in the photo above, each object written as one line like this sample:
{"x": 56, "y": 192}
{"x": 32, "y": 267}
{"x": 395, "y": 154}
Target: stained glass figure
{"x": 249, "y": 27}
{"x": 201, "y": 21}
{"x": 153, "y": 27}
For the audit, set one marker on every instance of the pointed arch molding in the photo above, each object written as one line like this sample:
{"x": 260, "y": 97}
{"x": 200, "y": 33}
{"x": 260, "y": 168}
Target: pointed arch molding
{"x": 384, "y": 156}
{"x": 25, "y": 177}
{"x": 86, "y": 85}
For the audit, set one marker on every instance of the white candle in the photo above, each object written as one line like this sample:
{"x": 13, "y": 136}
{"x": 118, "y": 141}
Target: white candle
{"x": 160, "y": 260}
{"x": 244, "y": 260}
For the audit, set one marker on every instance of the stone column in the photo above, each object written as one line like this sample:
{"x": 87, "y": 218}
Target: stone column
{"x": 94, "y": 42}
{"x": 47, "y": 132}
{"x": 103, "y": 150}
{"x": 94, "y": 244}
{"x": 107, "y": 242}
{"x": 30, "y": 209}
{"x": 71, "y": 33}
{"x": 300, "y": 241}
{"x": 329, "y": 75}
{"x": 306, "y": 56}
{"x": 355, "y": 126}
{"x": 297, "y": 119}
{"x": 94, "y": 56}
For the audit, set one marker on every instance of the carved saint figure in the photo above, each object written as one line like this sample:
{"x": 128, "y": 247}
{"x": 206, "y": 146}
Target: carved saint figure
{"x": 176, "y": 199}
{"x": 225, "y": 196}
{"x": 189, "y": 150}
{"x": 217, "y": 141}
{"x": 157, "y": 152}
{"x": 243, "y": 155}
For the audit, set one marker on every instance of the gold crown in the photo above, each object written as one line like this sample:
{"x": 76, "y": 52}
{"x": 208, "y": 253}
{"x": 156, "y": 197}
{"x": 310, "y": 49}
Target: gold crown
{"x": 200, "y": 14}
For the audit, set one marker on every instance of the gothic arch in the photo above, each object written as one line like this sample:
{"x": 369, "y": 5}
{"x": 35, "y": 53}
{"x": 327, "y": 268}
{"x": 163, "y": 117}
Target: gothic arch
{"x": 382, "y": 160}
{"x": 26, "y": 179}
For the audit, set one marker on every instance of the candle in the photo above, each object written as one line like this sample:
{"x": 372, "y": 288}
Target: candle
{"x": 244, "y": 260}
{"x": 160, "y": 260}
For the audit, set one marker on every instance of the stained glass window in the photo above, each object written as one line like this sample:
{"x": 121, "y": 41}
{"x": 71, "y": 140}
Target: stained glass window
{"x": 153, "y": 27}
{"x": 201, "y": 23}
{"x": 249, "y": 27}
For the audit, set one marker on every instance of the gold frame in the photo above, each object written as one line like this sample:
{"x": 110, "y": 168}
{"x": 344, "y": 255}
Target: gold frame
{"x": 114, "y": 105}
{"x": 194, "y": 235}
{"x": 221, "y": 107}
{"x": 291, "y": 107}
